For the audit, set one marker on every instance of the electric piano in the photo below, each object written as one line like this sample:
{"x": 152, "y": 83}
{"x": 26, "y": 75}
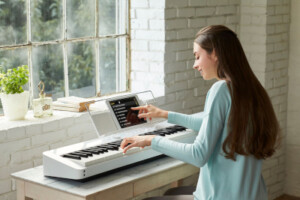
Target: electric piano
{"x": 86, "y": 159}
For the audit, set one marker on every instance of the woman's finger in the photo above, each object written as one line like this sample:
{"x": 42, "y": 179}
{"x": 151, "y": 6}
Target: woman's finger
{"x": 144, "y": 111}
{"x": 138, "y": 108}
{"x": 128, "y": 147}
{"x": 144, "y": 115}
{"x": 141, "y": 111}
{"x": 125, "y": 142}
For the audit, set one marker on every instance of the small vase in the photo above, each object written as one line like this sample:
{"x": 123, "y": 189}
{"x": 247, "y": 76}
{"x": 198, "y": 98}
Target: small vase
{"x": 15, "y": 106}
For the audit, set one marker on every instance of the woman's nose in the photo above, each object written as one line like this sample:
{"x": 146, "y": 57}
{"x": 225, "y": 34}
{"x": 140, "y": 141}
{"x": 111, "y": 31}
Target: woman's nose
{"x": 195, "y": 66}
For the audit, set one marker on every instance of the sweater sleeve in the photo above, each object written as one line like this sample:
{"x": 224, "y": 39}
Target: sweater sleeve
{"x": 189, "y": 121}
{"x": 198, "y": 153}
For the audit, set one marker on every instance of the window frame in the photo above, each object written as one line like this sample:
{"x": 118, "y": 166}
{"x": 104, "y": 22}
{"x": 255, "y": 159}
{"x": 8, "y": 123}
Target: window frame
{"x": 122, "y": 83}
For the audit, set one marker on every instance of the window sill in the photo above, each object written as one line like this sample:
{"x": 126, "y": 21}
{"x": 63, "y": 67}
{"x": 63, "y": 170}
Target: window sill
{"x": 30, "y": 120}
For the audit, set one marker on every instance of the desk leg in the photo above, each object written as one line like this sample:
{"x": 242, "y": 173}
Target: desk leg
{"x": 21, "y": 191}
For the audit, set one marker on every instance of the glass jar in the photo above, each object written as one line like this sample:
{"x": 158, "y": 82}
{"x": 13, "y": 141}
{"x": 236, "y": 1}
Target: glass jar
{"x": 42, "y": 107}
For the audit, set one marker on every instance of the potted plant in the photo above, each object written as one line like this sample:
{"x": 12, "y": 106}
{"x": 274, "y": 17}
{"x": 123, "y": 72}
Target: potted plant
{"x": 14, "y": 98}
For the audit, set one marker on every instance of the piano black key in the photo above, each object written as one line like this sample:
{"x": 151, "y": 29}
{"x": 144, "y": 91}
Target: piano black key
{"x": 165, "y": 132}
{"x": 112, "y": 144}
{"x": 113, "y": 147}
{"x": 154, "y": 133}
{"x": 79, "y": 154}
{"x": 151, "y": 133}
{"x": 109, "y": 146}
{"x": 116, "y": 142}
{"x": 172, "y": 130}
{"x": 179, "y": 128}
{"x": 97, "y": 149}
{"x": 93, "y": 151}
{"x": 102, "y": 149}
{"x": 87, "y": 153}
{"x": 160, "y": 133}
{"x": 71, "y": 156}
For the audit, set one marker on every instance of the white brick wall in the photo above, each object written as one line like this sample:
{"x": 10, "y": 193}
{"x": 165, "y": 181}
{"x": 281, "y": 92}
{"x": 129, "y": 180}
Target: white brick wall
{"x": 147, "y": 45}
{"x": 277, "y": 56}
{"x": 292, "y": 185}
{"x": 172, "y": 49}
{"x": 264, "y": 35}
{"x": 22, "y": 143}
{"x": 190, "y": 17}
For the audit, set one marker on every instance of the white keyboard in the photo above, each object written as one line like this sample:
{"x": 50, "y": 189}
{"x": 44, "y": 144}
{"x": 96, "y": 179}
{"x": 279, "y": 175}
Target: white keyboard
{"x": 90, "y": 158}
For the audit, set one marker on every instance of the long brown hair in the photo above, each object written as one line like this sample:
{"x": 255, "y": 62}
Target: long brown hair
{"x": 252, "y": 126}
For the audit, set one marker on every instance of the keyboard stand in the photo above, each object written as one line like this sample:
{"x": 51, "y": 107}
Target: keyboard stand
{"x": 124, "y": 184}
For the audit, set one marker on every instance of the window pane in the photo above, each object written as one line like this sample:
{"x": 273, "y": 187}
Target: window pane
{"x": 80, "y": 18}
{"x": 46, "y": 20}
{"x": 11, "y": 59}
{"x": 107, "y": 66}
{"x": 112, "y": 16}
{"x": 112, "y": 65}
{"x": 12, "y": 22}
{"x": 81, "y": 62}
{"x": 47, "y": 63}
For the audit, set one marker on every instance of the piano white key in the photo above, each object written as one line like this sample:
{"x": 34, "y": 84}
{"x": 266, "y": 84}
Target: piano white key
{"x": 133, "y": 150}
{"x": 99, "y": 158}
{"x": 111, "y": 154}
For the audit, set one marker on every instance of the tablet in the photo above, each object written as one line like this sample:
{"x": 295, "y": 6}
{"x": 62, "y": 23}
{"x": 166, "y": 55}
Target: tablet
{"x": 121, "y": 111}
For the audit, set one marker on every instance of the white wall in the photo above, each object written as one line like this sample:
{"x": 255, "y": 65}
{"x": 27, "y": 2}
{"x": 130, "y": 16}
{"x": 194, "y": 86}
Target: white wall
{"x": 22, "y": 142}
{"x": 292, "y": 185}
{"x": 162, "y": 48}
{"x": 265, "y": 38}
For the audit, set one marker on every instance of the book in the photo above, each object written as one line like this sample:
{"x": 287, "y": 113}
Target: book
{"x": 64, "y": 108}
{"x": 75, "y": 100}
{"x": 62, "y": 104}
{"x": 72, "y": 103}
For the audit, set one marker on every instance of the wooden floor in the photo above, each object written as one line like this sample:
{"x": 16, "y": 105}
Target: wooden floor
{"x": 287, "y": 197}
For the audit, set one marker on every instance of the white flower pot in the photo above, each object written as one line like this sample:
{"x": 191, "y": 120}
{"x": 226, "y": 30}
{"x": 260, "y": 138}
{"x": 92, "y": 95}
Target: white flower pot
{"x": 15, "y": 106}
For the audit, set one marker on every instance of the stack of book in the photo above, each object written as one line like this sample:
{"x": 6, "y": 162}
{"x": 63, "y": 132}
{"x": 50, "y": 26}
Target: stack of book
{"x": 72, "y": 103}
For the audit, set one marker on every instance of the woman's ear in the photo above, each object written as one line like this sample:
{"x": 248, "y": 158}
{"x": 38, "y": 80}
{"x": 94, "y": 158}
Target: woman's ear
{"x": 214, "y": 56}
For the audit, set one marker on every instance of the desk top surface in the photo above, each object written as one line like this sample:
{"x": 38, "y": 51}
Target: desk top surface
{"x": 36, "y": 175}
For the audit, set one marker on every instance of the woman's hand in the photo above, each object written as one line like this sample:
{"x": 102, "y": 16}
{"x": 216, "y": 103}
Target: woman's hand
{"x": 150, "y": 111}
{"x": 136, "y": 141}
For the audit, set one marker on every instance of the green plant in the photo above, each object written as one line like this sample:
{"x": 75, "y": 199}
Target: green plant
{"x": 12, "y": 81}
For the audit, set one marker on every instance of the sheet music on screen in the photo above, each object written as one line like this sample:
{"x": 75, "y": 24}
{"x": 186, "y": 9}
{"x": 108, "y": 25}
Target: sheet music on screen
{"x": 122, "y": 110}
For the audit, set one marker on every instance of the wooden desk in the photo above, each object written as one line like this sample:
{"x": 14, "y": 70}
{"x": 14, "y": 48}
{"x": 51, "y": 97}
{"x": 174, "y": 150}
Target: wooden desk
{"x": 125, "y": 184}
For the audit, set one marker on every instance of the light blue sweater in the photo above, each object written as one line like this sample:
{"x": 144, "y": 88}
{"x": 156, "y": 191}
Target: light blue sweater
{"x": 220, "y": 178}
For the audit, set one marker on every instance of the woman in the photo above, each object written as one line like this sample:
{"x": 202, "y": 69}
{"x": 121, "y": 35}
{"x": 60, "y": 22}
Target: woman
{"x": 238, "y": 128}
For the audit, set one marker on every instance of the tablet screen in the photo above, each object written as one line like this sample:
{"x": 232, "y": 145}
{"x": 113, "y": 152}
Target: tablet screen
{"x": 124, "y": 115}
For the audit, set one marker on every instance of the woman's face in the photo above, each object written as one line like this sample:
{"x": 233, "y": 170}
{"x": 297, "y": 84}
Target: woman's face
{"x": 205, "y": 63}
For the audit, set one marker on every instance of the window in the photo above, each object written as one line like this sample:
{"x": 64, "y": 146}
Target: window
{"x": 76, "y": 47}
